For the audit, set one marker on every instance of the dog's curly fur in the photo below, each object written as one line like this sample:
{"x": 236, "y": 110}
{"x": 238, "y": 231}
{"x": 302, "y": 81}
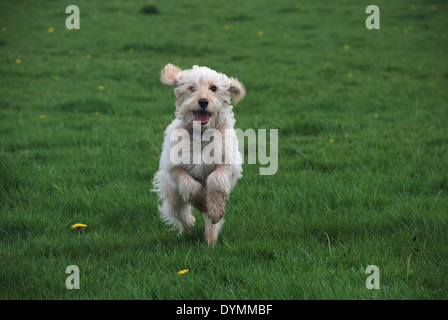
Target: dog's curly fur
{"x": 203, "y": 186}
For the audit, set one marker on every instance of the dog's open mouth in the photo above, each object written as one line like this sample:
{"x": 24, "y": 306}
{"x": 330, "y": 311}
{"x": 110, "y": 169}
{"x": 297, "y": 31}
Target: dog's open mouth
{"x": 202, "y": 116}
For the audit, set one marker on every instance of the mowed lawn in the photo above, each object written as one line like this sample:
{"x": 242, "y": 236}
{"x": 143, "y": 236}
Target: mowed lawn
{"x": 362, "y": 149}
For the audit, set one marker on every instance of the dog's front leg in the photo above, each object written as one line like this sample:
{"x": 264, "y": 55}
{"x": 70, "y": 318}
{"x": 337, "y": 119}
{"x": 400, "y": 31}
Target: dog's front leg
{"x": 217, "y": 191}
{"x": 188, "y": 188}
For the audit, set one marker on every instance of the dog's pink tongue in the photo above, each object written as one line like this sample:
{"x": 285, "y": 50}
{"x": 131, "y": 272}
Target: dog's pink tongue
{"x": 202, "y": 117}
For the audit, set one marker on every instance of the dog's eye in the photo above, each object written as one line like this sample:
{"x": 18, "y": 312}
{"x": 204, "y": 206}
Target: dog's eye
{"x": 191, "y": 88}
{"x": 213, "y": 88}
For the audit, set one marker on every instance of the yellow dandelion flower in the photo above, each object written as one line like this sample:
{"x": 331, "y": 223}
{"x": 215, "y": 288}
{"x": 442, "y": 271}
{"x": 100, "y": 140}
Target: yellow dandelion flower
{"x": 3, "y": 29}
{"x": 331, "y": 140}
{"x": 349, "y": 75}
{"x": 433, "y": 7}
{"x": 131, "y": 50}
{"x": 260, "y": 33}
{"x": 42, "y": 116}
{"x": 183, "y": 271}
{"x": 410, "y": 28}
{"x": 78, "y": 225}
{"x": 285, "y": 36}
{"x": 88, "y": 56}
{"x": 226, "y": 27}
{"x": 50, "y": 30}
{"x": 101, "y": 87}
{"x": 412, "y": 7}
{"x": 346, "y": 47}
{"x": 18, "y": 61}
{"x": 96, "y": 114}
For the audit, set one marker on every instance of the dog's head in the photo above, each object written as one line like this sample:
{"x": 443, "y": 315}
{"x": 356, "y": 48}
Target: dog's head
{"x": 202, "y": 94}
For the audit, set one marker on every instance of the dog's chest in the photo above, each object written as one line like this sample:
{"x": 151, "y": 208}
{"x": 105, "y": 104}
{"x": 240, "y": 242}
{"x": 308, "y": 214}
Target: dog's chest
{"x": 200, "y": 171}
{"x": 198, "y": 167}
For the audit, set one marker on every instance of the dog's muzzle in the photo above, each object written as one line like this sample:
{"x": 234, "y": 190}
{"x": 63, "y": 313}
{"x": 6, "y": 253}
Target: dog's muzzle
{"x": 203, "y": 103}
{"x": 202, "y": 115}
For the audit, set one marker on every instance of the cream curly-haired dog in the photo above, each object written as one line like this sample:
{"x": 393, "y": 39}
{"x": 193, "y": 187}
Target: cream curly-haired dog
{"x": 202, "y": 106}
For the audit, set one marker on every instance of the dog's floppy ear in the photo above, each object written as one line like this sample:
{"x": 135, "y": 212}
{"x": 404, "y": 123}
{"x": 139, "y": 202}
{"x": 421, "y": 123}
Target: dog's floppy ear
{"x": 236, "y": 90}
{"x": 169, "y": 74}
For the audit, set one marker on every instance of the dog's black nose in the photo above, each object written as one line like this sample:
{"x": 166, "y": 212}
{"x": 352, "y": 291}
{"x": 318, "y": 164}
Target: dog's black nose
{"x": 203, "y": 103}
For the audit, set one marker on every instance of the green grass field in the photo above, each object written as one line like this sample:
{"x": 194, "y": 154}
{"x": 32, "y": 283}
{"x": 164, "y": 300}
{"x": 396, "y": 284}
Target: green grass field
{"x": 363, "y": 149}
